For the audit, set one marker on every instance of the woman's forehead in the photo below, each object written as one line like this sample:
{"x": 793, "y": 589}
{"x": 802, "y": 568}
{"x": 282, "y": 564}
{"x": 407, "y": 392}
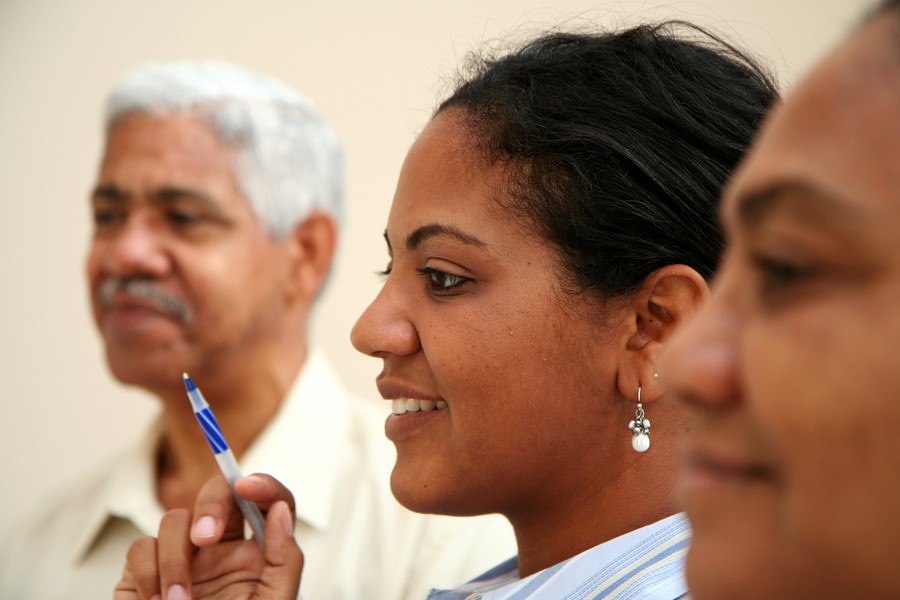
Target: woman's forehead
{"x": 444, "y": 180}
{"x": 838, "y": 132}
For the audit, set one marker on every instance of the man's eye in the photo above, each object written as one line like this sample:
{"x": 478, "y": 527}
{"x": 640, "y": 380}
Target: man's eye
{"x": 441, "y": 282}
{"x": 104, "y": 217}
{"x": 184, "y": 218}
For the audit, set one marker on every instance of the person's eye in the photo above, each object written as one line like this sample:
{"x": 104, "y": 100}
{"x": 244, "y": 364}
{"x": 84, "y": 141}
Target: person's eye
{"x": 183, "y": 218}
{"x": 441, "y": 283}
{"x": 778, "y": 275}
{"x": 105, "y": 217}
{"x": 387, "y": 270}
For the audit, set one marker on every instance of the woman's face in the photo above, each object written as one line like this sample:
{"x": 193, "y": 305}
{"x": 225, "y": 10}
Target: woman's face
{"x": 503, "y": 373}
{"x": 792, "y": 473}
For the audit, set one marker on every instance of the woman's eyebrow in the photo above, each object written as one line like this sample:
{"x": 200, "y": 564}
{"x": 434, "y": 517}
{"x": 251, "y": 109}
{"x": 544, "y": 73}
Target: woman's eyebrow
{"x": 816, "y": 204}
{"x": 415, "y": 239}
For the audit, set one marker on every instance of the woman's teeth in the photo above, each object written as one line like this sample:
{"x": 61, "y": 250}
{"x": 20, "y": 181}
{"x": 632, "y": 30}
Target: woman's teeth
{"x": 405, "y": 405}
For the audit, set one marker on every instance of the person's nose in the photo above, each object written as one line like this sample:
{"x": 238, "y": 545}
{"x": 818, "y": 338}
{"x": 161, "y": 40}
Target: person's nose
{"x": 700, "y": 365}
{"x": 136, "y": 248}
{"x": 385, "y": 327}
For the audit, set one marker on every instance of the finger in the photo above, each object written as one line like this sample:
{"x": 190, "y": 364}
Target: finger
{"x": 124, "y": 591}
{"x": 216, "y": 514}
{"x": 175, "y": 553}
{"x": 140, "y": 577}
{"x": 280, "y": 577}
{"x": 265, "y": 490}
{"x": 126, "y": 588}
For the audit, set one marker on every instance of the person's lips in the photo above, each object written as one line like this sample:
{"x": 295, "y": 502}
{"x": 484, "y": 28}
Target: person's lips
{"x": 704, "y": 468}
{"x": 121, "y": 301}
{"x": 412, "y": 410}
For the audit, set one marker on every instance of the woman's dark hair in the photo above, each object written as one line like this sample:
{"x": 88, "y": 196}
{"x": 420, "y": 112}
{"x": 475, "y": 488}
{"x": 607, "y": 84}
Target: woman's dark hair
{"x": 617, "y": 145}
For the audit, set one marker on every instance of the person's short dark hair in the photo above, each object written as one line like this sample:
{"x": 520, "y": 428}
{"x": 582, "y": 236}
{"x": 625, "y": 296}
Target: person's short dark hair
{"x": 883, "y": 7}
{"x": 617, "y": 144}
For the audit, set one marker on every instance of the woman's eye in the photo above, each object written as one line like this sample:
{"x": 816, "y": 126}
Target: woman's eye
{"x": 441, "y": 282}
{"x": 778, "y": 275}
{"x": 387, "y": 270}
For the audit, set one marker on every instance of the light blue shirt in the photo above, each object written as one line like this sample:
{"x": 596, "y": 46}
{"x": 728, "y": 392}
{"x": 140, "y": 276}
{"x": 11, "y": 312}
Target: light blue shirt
{"x": 645, "y": 564}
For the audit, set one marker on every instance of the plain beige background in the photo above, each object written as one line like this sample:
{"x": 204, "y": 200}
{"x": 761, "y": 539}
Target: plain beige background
{"x": 375, "y": 69}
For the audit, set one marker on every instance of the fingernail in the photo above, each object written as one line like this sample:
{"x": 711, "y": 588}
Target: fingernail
{"x": 287, "y": 520}
{"x": 176, "y": 592}
{"x": 205, "y": 527}
{"x": 254, "y": 479}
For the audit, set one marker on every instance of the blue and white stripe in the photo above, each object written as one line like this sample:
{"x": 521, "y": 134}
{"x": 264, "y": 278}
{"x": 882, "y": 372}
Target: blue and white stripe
{"x": 211, "y": 430}
{"x": 205, "y": 417}
{"x": 647, "y": 564}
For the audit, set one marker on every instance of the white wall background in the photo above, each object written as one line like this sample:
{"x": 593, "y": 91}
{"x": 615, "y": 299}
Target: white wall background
{"x": 374, "y": 68}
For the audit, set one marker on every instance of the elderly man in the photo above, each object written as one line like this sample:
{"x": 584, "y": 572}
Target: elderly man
{"x": 215, "y": 222}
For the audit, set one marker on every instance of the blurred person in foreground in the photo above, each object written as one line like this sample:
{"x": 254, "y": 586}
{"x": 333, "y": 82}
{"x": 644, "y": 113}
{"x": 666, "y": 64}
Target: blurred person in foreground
{"x": 216, "y": 213}
{"x": 792, "y": 461}
{"x": 552, "y": 225}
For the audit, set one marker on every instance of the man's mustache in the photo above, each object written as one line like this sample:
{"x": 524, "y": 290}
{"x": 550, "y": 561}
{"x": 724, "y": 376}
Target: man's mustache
{"x": 144, "y": 288}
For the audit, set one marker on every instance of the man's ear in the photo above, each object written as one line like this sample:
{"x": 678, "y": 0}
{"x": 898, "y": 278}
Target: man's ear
{"x": 666, "y": 299}
{"x": 312, "y": 247}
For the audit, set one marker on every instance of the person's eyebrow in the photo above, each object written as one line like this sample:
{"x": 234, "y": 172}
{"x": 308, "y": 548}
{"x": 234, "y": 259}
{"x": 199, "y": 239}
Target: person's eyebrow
{"x": 417, "y": 237}
{"x": 752, "y": 209}
{"x": 108, "y": 192}
{"x": 172, "y": 195}
{"x": 163, "y": 196}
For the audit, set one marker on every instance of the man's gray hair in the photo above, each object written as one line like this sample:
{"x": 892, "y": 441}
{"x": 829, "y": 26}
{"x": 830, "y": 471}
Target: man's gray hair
{"x": 289, "y": 160}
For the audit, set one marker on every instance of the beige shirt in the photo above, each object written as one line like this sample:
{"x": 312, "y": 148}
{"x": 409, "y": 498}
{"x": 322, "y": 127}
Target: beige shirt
{"x": 329, "y": 449}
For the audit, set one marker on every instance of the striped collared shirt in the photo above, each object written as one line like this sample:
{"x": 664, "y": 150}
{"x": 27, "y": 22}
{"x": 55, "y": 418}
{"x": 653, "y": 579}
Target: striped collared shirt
{"x": 645, "y": 564}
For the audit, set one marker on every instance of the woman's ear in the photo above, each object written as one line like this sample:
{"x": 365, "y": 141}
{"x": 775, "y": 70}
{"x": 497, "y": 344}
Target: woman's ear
{"x": 667, "y": 298}
{"x": 312, "y": 247}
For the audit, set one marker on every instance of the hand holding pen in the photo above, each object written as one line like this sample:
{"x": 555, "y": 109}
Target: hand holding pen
{"x": 203, "y": 554}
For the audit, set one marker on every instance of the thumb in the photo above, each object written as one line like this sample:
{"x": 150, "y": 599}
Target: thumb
{"x": 280, "y": 577}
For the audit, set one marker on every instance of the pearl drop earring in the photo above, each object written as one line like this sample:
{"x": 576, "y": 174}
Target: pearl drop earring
{"x": 640, "y": 427}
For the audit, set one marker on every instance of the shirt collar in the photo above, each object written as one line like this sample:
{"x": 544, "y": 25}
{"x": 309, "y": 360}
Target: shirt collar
{"x": 304, "y": 440}
{"x": 310, "y": 424}
{"x": 616, "y": 568}
{"x": 127, "y": 492}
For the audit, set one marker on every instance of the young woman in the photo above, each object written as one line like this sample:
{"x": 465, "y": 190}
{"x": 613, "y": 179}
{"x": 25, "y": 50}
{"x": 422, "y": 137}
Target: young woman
{"x": 552, "y": 225}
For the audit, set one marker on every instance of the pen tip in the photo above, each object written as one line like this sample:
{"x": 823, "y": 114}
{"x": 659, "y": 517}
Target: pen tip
{"x": 188, "y": 383}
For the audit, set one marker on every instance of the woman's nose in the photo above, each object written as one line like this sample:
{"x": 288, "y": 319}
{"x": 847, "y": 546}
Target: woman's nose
{"x": 386, "y": 327}
{"x": 700, "y": 363}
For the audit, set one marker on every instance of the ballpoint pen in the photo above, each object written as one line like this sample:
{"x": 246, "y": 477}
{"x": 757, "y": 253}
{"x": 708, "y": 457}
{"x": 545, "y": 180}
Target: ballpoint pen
{"x": 224, "y": 457}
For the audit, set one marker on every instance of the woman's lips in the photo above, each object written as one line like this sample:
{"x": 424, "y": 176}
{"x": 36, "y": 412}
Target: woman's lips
{"x": 704, "y": 469}
{"x": 399, "y": 427}
{"x": 409, "y": 416}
